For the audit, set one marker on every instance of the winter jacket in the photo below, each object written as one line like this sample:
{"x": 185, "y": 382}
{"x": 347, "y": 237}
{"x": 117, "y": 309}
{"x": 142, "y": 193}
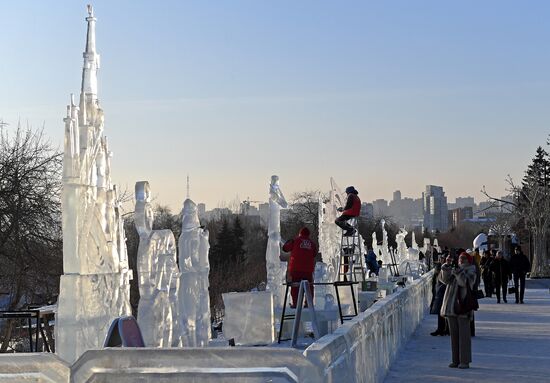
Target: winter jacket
{"x": 519, "y": 264}
{"x": 485, "y": 264}
{"x": 501, "y": 270}
{"x": 371, "y": 262}
{"x": 438, "y": 292}
{"x": 302, "y": 253}
{"x": 456, "y": 281}
{"x": 353, "y": 206}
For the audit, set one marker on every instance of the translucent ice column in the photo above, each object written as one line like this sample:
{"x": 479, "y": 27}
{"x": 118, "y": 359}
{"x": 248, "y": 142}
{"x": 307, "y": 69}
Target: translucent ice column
{"x": 386, "y": 258}
{"x": 158, "y": 275}
{"x": 193, "y": 294}
{"x": 276, "y": 270}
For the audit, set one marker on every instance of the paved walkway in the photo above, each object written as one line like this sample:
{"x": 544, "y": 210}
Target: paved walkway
{"x": 512, "y": 344}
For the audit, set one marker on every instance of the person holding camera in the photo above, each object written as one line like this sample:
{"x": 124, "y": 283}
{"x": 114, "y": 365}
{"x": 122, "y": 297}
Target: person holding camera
{"x": 458, "y": 305}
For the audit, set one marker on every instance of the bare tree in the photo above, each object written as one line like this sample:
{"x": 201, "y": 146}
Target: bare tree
{"x": 30, "y": 220}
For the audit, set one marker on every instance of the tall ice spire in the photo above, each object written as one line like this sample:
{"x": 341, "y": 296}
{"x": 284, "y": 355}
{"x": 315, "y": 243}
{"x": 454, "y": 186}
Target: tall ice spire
{"x": 91, "y": 61}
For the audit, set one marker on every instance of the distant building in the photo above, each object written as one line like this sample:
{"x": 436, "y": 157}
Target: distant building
{"x": 458, "y": 215}
{"x": 263, "y": 208}
{"x": 461, "y": 202}
{"x": 367, "y": 210}
{"x": 380, "y": 207}
{"x": 397, "y": 195}
{"x": 435, "y": 209}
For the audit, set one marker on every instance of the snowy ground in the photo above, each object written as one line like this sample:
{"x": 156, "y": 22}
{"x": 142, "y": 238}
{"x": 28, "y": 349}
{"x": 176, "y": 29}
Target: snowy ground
{"x": 512, "y": 344}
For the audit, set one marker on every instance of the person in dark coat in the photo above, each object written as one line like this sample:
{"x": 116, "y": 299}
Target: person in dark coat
{"x": 501, "y": 274}
{"x": 438, "y": 292}
{"x": 351, "y": 210}
{"x": 372, "y": 264}
{"x": 520, "y": 266}
{"x": 486, "y": 275}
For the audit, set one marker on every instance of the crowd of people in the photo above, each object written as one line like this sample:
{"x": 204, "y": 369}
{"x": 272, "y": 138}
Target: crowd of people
{"x": 455, "y": 287}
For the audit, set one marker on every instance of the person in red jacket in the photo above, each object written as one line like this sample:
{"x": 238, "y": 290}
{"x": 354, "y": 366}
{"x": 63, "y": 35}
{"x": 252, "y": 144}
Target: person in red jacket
{"x": 351, "y": 210}
{"x": 301, "y": 262}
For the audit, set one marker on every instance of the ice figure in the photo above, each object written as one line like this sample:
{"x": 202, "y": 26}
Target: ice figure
{"x": 436, "y": 245}
{"x": 94, "y": 287}
{"x": 276, "y": 270}
{"x": 414, "y": 245}
{"x": 329, "y": 234}
{"x": 193, "y": 298}
{"x": 402, "y": 250}
{"x": 386, "y": 258}
{"x": 158, "y": 276}
{"x": 374, "y": 245}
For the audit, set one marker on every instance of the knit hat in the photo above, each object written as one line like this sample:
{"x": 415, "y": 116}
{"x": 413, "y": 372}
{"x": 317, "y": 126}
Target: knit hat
{"x": 304, "y": 232}
{"x": 351, "y": 189}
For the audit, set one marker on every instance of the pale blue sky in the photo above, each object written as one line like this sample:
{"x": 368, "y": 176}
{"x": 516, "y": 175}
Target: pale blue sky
{"x": 415, "y": 92}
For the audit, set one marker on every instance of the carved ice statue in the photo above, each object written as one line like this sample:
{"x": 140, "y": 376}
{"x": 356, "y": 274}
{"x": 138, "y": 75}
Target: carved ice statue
{"x": 276, "y": 270}
{"x": 94, "y": 287}
{"x": 329, "y": 247}
{"x": 374, "y": 245}
{"x": 193, "y": 294}
{"x": 158, "y": 276}
{"x": 414, "y": 245}
{"x": 386, "y": 258}
{"x": 402, "y": 251}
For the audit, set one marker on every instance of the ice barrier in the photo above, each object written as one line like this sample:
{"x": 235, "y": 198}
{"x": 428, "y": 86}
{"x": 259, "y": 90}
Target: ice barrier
{"x": 193, "y": 297}
{"x": 94, "y": 288}
{"x": 276, "y": 270}
{"x": 158, "y": 276}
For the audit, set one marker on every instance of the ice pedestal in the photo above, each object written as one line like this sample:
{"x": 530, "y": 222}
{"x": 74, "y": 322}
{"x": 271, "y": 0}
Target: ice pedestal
{"x": 249, "y": 318}
{"x": 86, "y": 314}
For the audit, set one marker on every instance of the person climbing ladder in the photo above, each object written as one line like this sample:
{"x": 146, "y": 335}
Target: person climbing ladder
{"x": 351, "y": 210}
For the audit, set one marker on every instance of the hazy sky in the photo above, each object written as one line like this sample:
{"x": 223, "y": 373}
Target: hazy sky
{"x": 383, "y": 95}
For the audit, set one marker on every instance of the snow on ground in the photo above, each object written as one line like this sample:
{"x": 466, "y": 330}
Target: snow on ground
{"x": 512, "y": 344}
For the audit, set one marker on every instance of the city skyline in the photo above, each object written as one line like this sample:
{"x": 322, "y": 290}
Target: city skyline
{"x": 414, "y": 95}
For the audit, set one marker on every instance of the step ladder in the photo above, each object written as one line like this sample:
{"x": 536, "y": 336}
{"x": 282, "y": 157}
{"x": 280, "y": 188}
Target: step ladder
{"x": 303, "y": 293}
{"x": 351, "y": 256}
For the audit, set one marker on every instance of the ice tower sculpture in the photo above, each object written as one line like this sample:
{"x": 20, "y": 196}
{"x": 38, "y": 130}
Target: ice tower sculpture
{"x": 94, "y": 287}
{"x": 194, "y": 299}
{"x": 414, "y": 245}
{"x": 158, "y": 276}
{"x": 276, "y": 270}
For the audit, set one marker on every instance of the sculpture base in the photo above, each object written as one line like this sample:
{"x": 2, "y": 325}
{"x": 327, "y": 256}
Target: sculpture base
{"x": 86, "y": 307}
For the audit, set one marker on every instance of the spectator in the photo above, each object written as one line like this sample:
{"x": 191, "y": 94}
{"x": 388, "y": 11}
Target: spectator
{"x": 457, "y": 280}
{"x": 520, "y": 266}
{"x": 438, "y": 292}
{"x": 501, "y": 274}
{"x": 486, "y": 274}
{"x": 372, "y": 264}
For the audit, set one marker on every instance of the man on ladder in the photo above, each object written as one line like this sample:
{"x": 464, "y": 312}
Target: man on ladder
{"x": 351, "y": 210}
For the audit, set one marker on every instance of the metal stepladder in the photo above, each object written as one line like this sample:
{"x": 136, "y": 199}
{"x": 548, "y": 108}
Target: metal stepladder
{"x": 351, "y": 256}
{"x": 303, "y": 293}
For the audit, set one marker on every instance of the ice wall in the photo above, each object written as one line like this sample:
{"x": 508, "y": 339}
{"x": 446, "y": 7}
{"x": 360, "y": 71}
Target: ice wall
{"x": 94, "y": 287}
{"x": 158, "y": 276}
{"x": 193, "y": 297}
{"x": 276, "y": 270}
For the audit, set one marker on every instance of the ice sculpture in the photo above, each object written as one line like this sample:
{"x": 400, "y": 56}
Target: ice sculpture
{"x": 402, "y": 250}
{"x": 374, "y": 245}
{"x": 276, "y": 270}
{"x": 194, "y": 298}
{"x": 386, "y": 258}
{"x": 414, "y": 245}
{"x": 94, "y": 287}
{"x": 158, "y": 276}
